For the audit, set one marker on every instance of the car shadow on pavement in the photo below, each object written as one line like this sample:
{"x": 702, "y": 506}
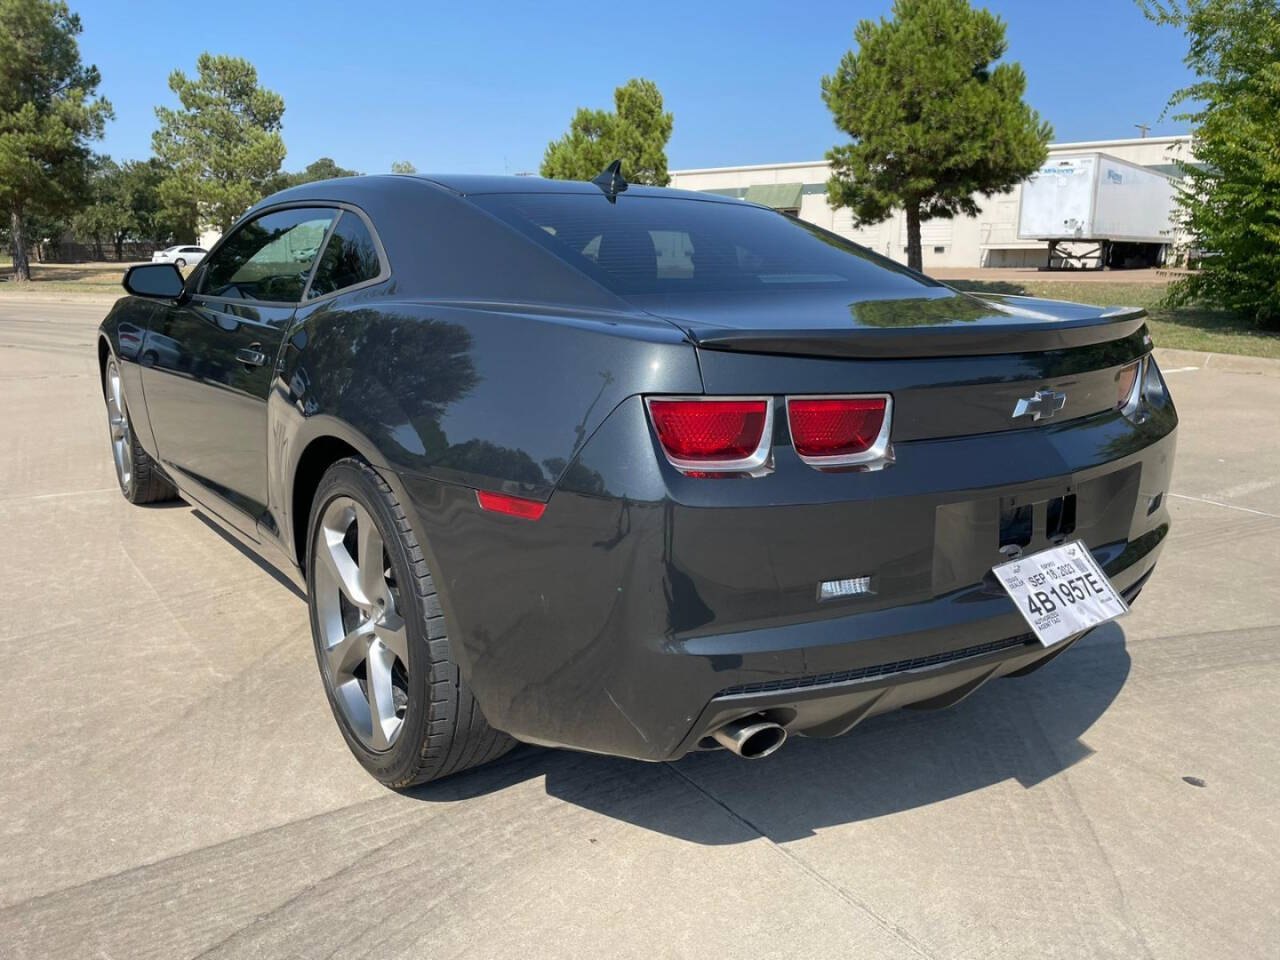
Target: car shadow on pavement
{"x": 245, "y": 551}
{"x": 1025, "y": 729}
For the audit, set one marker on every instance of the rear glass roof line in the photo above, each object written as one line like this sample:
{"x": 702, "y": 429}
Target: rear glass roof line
{"x": 646, "y": 244}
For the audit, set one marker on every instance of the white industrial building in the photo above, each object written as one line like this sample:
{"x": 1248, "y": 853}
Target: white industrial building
{"x": 987, "y": 240}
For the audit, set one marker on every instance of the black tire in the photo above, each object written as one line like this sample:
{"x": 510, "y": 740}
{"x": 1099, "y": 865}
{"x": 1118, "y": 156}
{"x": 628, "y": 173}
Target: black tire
{"x": 443, "y": 729}
{"x": 141, "y": 479}
{"x": 180, "y": 263}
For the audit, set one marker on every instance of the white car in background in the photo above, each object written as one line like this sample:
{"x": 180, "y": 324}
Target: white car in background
{"x": 180, "y": 256}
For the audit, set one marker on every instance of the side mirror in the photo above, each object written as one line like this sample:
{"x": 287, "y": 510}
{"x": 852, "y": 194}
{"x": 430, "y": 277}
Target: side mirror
{"x": 160, "y": 280}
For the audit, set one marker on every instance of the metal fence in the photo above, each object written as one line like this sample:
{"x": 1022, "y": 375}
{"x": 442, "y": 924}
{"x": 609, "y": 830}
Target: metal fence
{"x": 71, "y": 251}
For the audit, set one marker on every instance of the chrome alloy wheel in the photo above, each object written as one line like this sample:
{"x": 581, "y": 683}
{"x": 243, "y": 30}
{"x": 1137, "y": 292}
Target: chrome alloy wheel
{"x": 118, "y": 420}
{"x": 363, "y": 638}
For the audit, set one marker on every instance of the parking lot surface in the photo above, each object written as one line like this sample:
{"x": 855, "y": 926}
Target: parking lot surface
{"x": 174, "y": 785}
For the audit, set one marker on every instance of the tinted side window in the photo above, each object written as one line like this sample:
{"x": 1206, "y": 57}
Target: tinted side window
{"x": 268, "y": 258}
{"x": 349, "y": 258}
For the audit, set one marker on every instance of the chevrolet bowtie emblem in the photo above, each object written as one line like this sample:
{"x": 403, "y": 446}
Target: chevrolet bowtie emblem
{"x": 1042, "y": 406}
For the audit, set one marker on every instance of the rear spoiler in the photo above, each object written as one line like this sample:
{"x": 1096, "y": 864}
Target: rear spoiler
{"x": 979, "y": 339}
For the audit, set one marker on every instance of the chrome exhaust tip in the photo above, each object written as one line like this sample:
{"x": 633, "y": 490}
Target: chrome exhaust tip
{"x": 751, "y": 738}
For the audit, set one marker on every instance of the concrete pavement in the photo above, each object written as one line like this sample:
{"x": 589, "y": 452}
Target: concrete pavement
{"x": 174, "y": 785}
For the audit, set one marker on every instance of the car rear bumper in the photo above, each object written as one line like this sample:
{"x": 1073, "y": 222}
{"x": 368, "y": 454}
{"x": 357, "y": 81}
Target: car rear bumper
{"x": 645, "y": 609}
{"x": 932, "y": 673}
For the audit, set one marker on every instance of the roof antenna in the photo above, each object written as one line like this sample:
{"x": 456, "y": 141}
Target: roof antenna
{"x": 610, "y": 181}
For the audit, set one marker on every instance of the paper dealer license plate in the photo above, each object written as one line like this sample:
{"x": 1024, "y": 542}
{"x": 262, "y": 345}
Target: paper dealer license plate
{"x": 1060, "y": 591}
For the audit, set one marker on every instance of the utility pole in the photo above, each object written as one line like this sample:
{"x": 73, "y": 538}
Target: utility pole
{"x": 1144, "y": 128}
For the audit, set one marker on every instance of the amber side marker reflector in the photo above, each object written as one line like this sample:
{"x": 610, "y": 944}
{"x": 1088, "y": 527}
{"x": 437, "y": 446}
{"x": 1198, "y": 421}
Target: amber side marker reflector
{"x": 512, "y": 506}
{"x": 1127, "y": 385}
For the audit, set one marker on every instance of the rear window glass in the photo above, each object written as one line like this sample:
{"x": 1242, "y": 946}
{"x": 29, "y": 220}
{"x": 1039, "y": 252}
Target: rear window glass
{"x": 656, "y": 245}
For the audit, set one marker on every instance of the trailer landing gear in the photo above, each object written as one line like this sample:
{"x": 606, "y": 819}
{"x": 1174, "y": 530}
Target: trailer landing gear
{"x": 1107, "y": 255}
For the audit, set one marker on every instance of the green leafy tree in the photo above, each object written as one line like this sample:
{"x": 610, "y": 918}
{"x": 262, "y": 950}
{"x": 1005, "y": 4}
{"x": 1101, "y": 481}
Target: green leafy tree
{"x": 49, "y": 112}
{"x": 323, "y": 169}
{"x": 932, "y": 118}
{"x": 1230, "y": 201}
{"x": 106, "y": 215}
{"x": 403, "y": 166}
{"x": 177, "y": 217}
{"x": 223, "y": 144}
{"x": 636, "y": 132}
{"x": 43, "y": 232}
{"x": 142, "y": 186}
{"x": 125, "y": 203}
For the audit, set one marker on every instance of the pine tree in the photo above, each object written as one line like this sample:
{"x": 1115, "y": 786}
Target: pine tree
{"x": 48, "y": 114}
{"x": 931, "y": 117}
{"x": 635, "y": 133}
{"x": 223, "y": 146}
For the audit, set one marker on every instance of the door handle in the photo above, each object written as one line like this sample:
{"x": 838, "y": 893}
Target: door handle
{"x": 252, "y": 355}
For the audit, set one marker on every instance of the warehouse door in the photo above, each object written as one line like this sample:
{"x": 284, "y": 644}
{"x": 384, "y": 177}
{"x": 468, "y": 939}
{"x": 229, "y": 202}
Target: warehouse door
{"x": 936, "y": 236}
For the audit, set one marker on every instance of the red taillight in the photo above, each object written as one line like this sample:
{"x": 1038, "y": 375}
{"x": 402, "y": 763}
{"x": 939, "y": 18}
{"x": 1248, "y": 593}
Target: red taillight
{"x": 713, "y": 435}
{"x": 839, "y": 430}
{"x": 512, "y": 506}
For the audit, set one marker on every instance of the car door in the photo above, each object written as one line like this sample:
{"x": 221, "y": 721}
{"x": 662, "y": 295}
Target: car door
{"x": 209, "y": 360}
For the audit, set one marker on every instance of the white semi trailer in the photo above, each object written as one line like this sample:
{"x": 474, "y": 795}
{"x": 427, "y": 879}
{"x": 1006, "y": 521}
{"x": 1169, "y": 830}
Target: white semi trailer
{"x": 1098, "y": 210}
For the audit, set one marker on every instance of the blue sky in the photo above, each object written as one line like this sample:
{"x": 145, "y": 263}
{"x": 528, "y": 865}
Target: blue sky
{"x": 480, "y": 88}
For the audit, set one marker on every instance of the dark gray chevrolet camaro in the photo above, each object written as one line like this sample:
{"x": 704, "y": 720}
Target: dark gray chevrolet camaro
{"x": 637, "y": 472}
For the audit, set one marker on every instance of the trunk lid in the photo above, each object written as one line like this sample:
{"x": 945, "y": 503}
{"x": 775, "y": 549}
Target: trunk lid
{"x": 955, "y": 364}
{"x": 932, "y": 322}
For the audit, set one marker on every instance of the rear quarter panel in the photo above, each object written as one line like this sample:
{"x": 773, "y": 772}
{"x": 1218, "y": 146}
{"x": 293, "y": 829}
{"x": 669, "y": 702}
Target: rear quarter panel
{"x": 490, "y": 397}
